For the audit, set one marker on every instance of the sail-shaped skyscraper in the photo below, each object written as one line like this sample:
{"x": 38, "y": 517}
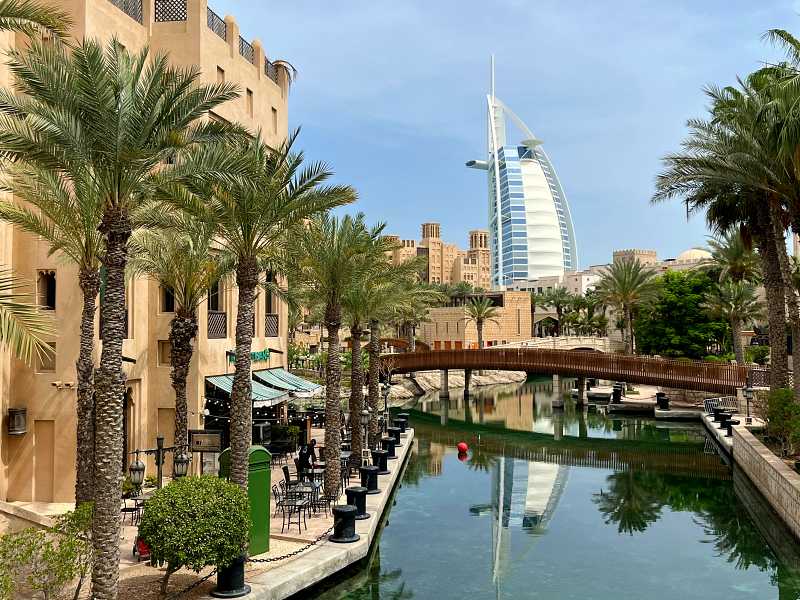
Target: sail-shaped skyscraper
{"x": 530, "y": 226}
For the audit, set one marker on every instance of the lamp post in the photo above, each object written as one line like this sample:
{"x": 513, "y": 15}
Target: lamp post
{"x": 364, "y": 446}
{"x": 748, "y": 396}
{"x": 180, "y": 463}
{"x": 387, "y": 386}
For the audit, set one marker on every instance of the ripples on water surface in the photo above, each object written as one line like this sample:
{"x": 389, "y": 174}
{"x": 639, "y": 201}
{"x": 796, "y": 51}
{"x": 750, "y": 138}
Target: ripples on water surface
{"x": 567, "y": 504}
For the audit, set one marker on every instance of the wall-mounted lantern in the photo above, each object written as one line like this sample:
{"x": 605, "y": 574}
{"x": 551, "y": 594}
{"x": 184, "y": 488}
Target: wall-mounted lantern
{"x": 17, "y": 421}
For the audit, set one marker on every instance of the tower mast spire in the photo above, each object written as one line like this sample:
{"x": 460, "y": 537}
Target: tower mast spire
{"x": 492, "y": 79}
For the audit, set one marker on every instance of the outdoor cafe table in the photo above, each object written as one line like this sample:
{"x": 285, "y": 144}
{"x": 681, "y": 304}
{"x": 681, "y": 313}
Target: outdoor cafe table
{"x": 310, "y": 489}
{"x": 345, "y": 454}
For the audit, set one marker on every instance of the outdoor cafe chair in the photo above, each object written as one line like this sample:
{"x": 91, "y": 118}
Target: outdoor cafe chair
{"x": 288, "y": 478}
{"x": 294, "y": 504}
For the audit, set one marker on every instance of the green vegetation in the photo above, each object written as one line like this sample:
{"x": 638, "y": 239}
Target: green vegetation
{"x": 783, "y": 420}
{"x": 481, "y": 311}
{"x": 45, "y": 563}
{"x": 194, "y": 522}
{"x": 627, "y": 285}
{"x": 757, "y": 354}
{"x": 676, "y": 322}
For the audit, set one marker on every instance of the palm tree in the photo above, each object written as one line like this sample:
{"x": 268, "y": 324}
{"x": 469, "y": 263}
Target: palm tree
{"x": 460, "y": 292}
{"x": 123, "y": 117}
{"x": 65, "y": 210}
{"x": 535, "y": 298}
{"x": 626, "y": 285}
{"x": 481, "y": 311}
{"x": 331, "y": 257}
{"x": 24, "y": 326}
{"x": 253, "y": 219}
{"x": 733, "y": 258}
{"x": 558, "y": 298}
{"x": 736, "y": 302}
{"x": 29, "y": 16}
{"x": 181, "y": 259}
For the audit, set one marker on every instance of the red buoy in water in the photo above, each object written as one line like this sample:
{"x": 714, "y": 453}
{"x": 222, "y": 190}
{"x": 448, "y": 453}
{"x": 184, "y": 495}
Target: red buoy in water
{"x": 462, "y": 447}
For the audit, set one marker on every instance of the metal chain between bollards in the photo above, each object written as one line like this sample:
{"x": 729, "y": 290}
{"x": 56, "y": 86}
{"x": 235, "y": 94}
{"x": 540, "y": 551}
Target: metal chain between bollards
{"x": 293, "y": 553}
{"x": 178, "y": 594}
{"x": 189, "y": 588}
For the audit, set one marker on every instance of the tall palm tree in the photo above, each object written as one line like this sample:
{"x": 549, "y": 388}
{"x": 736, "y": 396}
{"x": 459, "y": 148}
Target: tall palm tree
{"x": 733, "y": 257}
{"x": 182, "y": 260}
{"x": 30, "y": 16}
{"x": 626, "y": 285}
{"x": 736, "y": 302}
{"x": 124, "y": 117}
{"x": 65, "y": 209}
{"x": 330, "y": 260}
{"x": 535, "y": 299}
{"x": 558, "y": 298}
{"x": 481, "y": 311}
{"x": 253, "y": 218}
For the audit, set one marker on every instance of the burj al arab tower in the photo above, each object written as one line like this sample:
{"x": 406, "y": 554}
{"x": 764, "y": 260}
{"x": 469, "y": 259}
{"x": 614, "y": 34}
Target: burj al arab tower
{"x": 530, "y": 226}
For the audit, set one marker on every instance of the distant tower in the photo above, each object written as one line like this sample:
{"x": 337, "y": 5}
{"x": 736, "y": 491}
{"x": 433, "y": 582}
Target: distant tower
{"x": 530, "y": 227}
{"x": 431, "y": 231}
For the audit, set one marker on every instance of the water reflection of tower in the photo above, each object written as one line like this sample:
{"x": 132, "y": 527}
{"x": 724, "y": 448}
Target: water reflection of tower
{"x": 525, "y": 496}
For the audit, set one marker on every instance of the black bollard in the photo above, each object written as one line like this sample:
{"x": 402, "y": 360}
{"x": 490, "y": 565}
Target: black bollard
{"x": 616, "y": 394}
{"x": 395, "y": 433}
{"x": 357, "y": 496}
{"x": 716, "y": 411}
{"x": 379, "y": 458}
{"x": 369, "y": 479}
{"x": 344, "y": 524}
{"x": 230, "y": 580}
{"x": 662, "y": 400}
{"x": 387, "y": 443}
{"x": 401, "y": 423}
{"x": 724, "y": 417}
{"x": 406, "y": 416}
{"x": 730, "y": 424}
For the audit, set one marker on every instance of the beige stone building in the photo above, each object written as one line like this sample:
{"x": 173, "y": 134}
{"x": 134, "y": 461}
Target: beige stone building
{"x": 447, "y": 263}
{"x": 449, "y": 328}
{"x": 39, "y": 464}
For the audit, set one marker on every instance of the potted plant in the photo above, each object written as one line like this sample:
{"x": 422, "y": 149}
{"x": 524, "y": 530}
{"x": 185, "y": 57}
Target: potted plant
{"x": 195, "y": 522}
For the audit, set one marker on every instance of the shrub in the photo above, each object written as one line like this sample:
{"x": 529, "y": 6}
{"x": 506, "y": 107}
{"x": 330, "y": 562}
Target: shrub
{"x": 195, "y": 522}
{"x": 757, "y": 354}
{"x": 47, "y": 561}
{"x": 783, "y": 419}
{"x": 150, "y": 481}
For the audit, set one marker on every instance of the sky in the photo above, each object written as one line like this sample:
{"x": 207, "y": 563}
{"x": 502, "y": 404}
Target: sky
{"x": 391, "y": 95}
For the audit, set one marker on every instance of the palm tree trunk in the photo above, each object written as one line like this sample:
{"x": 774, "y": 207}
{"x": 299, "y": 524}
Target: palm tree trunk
{"x": 786, "y": 276}
{"x": 373, "y": 376}
{"x": 333, "y": 378}
{"x": 89, "y": 281}
{"x": 776, "y": 310}
{"x": 109, "y": 393}
{"x": 533, "y": 320}
{"x": 479, "y": 327}
{"x": 183, "y": 329}
{"x": 412, "y": 338}
{"x": 558, "y": 323}
{"x": 356, "y": 391}
{"x": 629, "y": 325}
{"x": 241, "y": 424}
{"x": 736, "y": 332}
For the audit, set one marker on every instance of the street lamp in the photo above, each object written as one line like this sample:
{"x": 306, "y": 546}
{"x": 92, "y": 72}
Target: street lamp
{"x": 180, "y": 465}
{"x": 364, "y": 448}
{"x": 748, "y": 396}
{"x": 136, "y": 472}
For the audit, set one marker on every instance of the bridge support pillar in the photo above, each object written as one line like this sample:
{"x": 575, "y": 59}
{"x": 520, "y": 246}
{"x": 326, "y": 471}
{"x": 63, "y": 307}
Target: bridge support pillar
{"x": 467, "y": 380}
{"x": 444, "y": 388}
{"x": 581, "y": 385}
{"x": 558, "y": 394}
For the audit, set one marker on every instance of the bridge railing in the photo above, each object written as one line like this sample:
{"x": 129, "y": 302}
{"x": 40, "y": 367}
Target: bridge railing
{"x": 685, "y": 374}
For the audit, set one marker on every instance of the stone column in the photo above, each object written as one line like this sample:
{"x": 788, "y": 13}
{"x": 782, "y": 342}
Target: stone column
{"x": 444, "y": 388}
{"x": 558, "y": 425}
{"x": 232, "y": 30}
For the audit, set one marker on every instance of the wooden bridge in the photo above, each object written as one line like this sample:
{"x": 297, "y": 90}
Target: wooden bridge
{"x": 683, "y": 374}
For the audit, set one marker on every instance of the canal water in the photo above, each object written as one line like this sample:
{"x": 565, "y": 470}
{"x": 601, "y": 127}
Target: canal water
{"x": 567, "y": 504}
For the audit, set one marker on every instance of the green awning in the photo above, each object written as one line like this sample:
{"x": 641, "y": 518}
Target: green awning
{"x": 281, "y": 379}
{"x": 263, "y": 396}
